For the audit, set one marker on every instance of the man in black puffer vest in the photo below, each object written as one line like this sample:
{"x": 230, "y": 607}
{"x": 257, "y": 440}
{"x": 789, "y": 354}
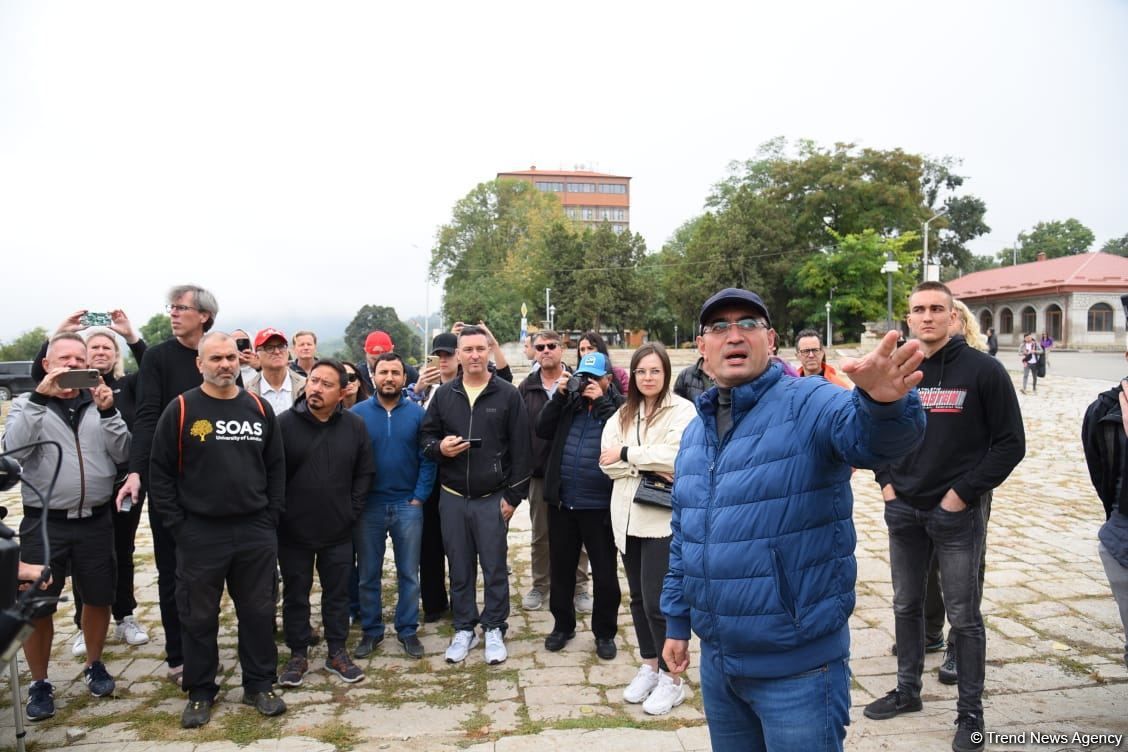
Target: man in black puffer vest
{"x": 579, "y": 510}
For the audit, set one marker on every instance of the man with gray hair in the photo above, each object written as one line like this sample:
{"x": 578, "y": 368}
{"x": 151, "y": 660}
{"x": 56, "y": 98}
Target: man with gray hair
{"x": 167, "y": 371}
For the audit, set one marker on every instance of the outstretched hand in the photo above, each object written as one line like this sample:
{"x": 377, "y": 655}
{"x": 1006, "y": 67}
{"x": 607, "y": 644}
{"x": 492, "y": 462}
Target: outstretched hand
{"x": 888, "y": 373}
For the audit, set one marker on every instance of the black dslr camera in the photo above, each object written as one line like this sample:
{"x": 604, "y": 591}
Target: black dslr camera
{"x": 577, "y": 384}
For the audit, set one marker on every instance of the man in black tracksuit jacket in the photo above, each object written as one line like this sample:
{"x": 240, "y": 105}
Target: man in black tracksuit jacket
{"x": 217, "y": 481}
{"x": 329, "y": 472}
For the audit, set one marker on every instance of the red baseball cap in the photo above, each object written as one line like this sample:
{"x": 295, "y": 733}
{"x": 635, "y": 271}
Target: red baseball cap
{"x": 266, "y": 334}
{"x": 378, "y": 342}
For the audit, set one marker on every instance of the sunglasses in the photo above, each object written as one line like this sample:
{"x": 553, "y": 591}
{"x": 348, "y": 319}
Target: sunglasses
{"x": 545, "y": 346}
{"x": 352, "y": 376}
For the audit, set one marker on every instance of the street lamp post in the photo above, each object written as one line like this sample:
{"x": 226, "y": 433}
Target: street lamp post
{"x": 924, "y": 260}
{"x": 889, "y": 268}
{"x": 829, "y": 341}
{"x": 548, "y": 306}
{"x": 552, "y": 317}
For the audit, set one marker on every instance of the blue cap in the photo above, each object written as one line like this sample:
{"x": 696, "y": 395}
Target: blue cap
{"x": 732, "y": 296}
{"x": 594, "y": 363}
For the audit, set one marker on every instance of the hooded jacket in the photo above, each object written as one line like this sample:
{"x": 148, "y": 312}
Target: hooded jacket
{"x": 1102, "y": 436}
{"x": 498, "y": 418}
{"x": 402, "y": 472}
{"x": 762, "y": 555}
{"x": 975, "y": 436}
{"x": 329, "y": 472}
{"x": 93, "y": 443}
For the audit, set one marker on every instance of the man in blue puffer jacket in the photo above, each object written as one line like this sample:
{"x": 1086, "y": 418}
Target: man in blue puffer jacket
{"x": 762, "y": 558}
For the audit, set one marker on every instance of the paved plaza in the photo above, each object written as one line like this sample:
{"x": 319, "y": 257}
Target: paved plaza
{"x": 1054, "y": 650}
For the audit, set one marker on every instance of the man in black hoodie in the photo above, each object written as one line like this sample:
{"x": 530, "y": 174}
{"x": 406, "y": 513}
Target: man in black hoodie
{"x": 329, "y": 471}
{"x": 935, "y": 501}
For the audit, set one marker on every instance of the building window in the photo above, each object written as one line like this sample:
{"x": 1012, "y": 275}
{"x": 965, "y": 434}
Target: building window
{"x": 1100, "y": 318}
{"x": 581, "y": 187}
{"x": 1029, "y": 320}
{"x": 618, "y": 229}
{"x": 985, "y": 321}
{"x": 1006, "y": 321}
{"x": 619, "y": 214}
{"x": 612, "y": 188}
{"x": 589, "y": 213}
{"x": 571, "y": 212}
{"x": 550, "y": 187}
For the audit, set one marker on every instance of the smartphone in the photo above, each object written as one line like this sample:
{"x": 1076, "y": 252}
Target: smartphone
{"x": 83, "y": 378}
{"x": 475, "y": 443}
{"x": 127, "y": 503}
{"x": 96, "y": 318}
{"x": 432, "y": 361}
{"x": 242, "y": 344}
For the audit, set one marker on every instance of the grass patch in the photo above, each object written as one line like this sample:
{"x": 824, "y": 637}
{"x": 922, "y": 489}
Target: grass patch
{"x": 341, "y": 735}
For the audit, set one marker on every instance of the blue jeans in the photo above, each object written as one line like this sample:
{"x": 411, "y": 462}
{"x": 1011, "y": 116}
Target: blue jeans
{"x": 958, "y": 539}
{"x": 807, "y": 711}
{"x": 404, "y": 522}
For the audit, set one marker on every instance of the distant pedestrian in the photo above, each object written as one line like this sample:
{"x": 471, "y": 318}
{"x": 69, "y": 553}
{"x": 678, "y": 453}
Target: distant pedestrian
{"x": 992, "y": 343}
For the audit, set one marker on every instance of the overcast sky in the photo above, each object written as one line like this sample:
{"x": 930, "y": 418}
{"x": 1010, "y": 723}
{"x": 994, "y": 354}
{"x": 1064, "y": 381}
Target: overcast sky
{"x": 298, "y": 158}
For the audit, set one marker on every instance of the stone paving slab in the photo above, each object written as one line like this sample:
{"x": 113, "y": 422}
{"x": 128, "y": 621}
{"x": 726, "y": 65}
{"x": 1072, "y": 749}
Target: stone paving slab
{"x": 1055, "y": 651}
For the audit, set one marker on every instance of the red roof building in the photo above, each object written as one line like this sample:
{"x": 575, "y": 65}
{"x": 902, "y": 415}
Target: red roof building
{"x": 588, "y": 197}
{"x": 1074, "y": 299}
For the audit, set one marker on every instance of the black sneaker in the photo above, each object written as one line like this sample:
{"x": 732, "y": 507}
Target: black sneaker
{"x": 98, "y": 680}
{"x": 892, "y": 705}
{"x": 366, "y": 645}
{"x": 411, "y": 645}
{"x": 196, "y": 713}
{"x": 948, "y": 667}
{"x": 294, "y": 672}
{"x": 605, "y": 648}
{"x": 969, "y": 734}
{"x": 40, "y": 700}
{"x": 557, "y": 640}
{"x": 267, "y": 703}
{"x": 341, "y": 665}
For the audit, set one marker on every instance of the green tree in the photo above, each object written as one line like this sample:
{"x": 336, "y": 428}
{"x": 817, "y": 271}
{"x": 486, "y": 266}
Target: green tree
{"x": 157, "y": 329}
{"x": 853, "y": 268}
{"x": 372, "y": 317}
{"x": 24, "y": 347}
{"x": 1055, "y": 239}
{"x": 607, "y": 290}
{"x": 1118, "y": 246}
{"x": 963, "y": 218}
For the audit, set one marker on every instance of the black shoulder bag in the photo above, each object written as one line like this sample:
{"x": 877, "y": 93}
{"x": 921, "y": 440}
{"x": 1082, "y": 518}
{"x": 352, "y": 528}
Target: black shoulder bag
{"x": 653, "y": 490}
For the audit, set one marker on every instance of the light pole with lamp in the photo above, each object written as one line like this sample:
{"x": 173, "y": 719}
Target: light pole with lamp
{"x": 889, "y": 268}
{"x": 924, "y": 259}
{"x": 829, "y": 341}
{"x": 552, "y": 317}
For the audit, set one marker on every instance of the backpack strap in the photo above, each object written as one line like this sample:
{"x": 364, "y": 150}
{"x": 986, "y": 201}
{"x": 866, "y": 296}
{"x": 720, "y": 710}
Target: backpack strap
{"x": 258, "y": 402}
{"x": 180, "y": 436}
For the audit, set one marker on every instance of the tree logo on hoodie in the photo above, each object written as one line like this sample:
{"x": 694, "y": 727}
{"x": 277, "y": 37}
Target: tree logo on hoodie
{"x": 200, "y": 429}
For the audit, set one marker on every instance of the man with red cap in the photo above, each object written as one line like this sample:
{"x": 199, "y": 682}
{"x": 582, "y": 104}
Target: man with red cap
{"x": 275, "y": 383}
{"x": 376, "y": 344}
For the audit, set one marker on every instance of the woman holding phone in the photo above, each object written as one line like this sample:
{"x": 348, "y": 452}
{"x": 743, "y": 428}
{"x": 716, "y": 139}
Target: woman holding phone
{"x": 643, "y": 437}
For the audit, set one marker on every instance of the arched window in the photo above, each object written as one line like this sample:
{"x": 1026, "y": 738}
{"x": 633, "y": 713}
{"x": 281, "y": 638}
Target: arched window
{"x": 1006, "y": 321}
{"x": 986, "y": 320}
{"x": 1029, "y": 320}
{"x": 1100, "y": 317}
{"x": 1052, "y": 326}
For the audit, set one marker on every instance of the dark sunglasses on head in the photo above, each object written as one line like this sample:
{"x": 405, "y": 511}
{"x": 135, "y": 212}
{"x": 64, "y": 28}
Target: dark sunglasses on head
{"x": 352, "y": 376}
{"x": 545, "y": 346}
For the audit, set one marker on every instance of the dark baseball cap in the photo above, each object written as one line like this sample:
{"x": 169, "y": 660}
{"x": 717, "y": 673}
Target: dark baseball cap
{"x": 447, "y": 343}
{"x": 732, "y": 296}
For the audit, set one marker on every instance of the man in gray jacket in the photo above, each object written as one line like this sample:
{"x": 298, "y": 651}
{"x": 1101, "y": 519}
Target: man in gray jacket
{"x": 93, "y": 440}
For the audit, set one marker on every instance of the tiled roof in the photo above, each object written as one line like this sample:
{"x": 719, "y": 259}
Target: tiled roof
{"x": 1085, "y": 270}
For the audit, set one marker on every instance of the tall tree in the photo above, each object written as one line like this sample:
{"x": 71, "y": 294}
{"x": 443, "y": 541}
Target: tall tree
{"x": 157, "y": 329}
{"x": 607, "y": 292}
{"x": 962, "y": 221}
{"x": 384, "y": 318}
{"x": 24, "y": 347}
{"x": 1055, "y": 239}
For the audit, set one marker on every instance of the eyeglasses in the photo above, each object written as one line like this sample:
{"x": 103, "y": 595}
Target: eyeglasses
{"x": 744, "y": 325}
{"x": 545, "y": 346}
{"x": 810, "y": 352}
{"x": 653, "y": 373}
{"x": 352, "y": 376}
{"x": 177, "y": 308}
{"x": 273, "y": 348}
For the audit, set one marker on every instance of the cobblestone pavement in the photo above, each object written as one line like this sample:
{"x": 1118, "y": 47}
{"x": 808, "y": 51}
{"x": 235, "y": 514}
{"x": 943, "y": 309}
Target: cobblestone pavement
{"x": 1054, "y": 652}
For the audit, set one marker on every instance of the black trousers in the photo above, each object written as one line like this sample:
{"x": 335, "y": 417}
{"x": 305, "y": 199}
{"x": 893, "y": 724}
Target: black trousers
{"x": 646, "y": 562}
{"x": 241, "y": 553}
{"x": 334, "y": 564}
{"x": 125, "y": 532}
{"x": 164, "y": 551}
{"x": 432, "y": 559}
{"x": 568, "y": 530}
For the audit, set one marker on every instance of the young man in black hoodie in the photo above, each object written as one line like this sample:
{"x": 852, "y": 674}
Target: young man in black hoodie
{"x": 217, "y": 482}
{"x": 329, "y": 471}
{"x": 935, "y": 501}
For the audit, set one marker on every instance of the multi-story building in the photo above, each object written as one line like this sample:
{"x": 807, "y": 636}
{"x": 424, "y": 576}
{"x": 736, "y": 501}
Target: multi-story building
{"x": 592, "y": 198}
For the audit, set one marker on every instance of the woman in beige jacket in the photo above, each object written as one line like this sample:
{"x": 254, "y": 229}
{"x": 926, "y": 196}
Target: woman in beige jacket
{"x": 643, "y": 436}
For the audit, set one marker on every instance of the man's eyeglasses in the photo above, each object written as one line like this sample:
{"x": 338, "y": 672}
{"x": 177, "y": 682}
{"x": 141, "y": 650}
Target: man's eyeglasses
{"x": 541, "y": 347}
{"x": 171, "y": 307}
{"x": 744, "y": 325}
{"x": 810, "y": 352}
{"x": 273, "y": 348}
{"x": 652, "y": 373}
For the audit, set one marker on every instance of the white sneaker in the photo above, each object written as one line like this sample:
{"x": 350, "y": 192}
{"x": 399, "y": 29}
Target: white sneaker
{"x": 78, "y": 649}
{"x": 130, "y": 632}
{"x": 583, "y": 602}
{"x": 533, "y": 600}
{"x": 495, "y": 647}
{"x": 666, "y": 696}
{"x": 642, "y": 685}
{"x": 463, "y": 642}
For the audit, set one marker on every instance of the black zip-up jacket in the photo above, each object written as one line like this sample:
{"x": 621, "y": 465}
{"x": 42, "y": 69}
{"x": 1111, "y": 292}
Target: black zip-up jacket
{"x": 1102, "y": 436}
{"x": 329, "y": 472}
{"x": 692, "y": 382}
{"x": 534, "y": 397}
{"x": 974, "y": 437}
{"x": 555, "y": 422}
{"x": 499, "y": 419}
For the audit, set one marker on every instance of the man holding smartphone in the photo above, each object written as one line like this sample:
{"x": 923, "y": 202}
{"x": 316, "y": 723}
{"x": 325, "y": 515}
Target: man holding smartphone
{"x": 480, "y": 487}
{"x": 93, "y": 439}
